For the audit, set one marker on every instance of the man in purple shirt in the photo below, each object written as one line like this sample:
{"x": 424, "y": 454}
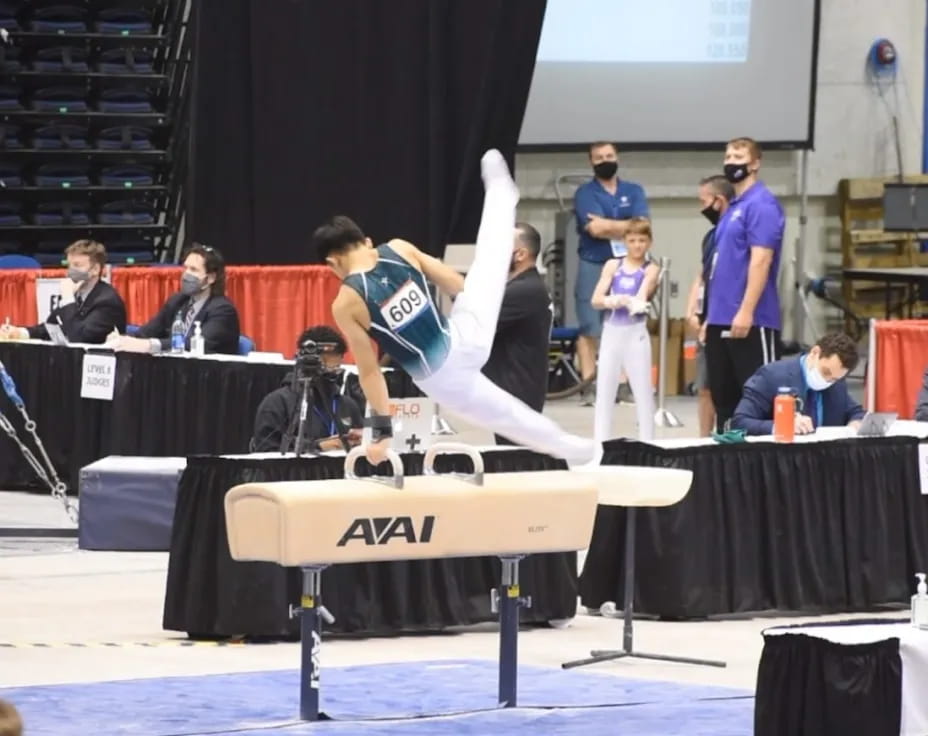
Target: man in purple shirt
{"x": 743, "y": 321}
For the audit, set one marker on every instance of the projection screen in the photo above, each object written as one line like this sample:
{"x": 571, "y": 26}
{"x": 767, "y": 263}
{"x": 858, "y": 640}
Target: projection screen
{"x": 673, "y": 73}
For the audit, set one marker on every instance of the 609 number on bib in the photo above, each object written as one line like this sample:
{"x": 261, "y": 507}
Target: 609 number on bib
{"x": 404, "y": 306}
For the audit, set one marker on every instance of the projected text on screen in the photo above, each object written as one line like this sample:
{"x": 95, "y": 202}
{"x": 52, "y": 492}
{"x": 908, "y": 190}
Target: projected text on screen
{"x": 646, "y": 31}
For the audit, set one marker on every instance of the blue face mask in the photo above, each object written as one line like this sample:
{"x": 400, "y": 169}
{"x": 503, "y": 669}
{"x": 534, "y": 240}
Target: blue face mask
{"x": 814, "y": 379}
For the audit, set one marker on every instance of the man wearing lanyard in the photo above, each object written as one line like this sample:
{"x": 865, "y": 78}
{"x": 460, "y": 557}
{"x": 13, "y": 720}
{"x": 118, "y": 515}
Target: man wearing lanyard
{"x": 816, "y": 379}
{"x": 715, "y": 192}
{"x": 333, "y": 412}
{"x": 603, "y": 207}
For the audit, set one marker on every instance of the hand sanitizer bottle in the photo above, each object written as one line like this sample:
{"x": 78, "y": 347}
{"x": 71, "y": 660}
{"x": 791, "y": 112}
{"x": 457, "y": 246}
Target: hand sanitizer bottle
{"x": 920, "y": 603}
{"x": 197, "y": 341}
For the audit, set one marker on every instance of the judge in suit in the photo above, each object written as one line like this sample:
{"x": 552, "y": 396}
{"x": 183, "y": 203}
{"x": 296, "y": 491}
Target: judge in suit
{"x": 815, "y": 378}
{"x": 89, "y": 308}
{"x": 201, "y": 299}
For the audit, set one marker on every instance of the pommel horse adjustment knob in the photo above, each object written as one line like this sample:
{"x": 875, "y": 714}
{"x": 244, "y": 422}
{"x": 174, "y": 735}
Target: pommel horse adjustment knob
{"x": 509, "y": 586}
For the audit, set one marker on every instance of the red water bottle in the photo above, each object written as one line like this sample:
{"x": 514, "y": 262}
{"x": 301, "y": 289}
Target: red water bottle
{"x": 784, "y": 416}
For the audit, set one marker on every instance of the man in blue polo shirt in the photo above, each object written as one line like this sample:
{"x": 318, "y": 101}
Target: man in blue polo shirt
{"x": 743, "y": 322}
{"x": 603, "y": 206}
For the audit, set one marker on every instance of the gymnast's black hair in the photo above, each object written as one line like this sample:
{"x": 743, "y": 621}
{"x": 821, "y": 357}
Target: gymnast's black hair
{"x": 336, "y": 236}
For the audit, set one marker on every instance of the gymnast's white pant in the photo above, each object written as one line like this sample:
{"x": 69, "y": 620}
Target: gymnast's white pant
{"x": 628, "y": 348}
{"x": 458, "y": 384}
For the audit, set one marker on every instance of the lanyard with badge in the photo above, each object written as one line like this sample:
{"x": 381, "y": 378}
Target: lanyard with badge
{"x": 618, "y": 246}
{"x": 718, "y": 236}
{"x": 333, "y": 422}
{"x": 713, "y": 258}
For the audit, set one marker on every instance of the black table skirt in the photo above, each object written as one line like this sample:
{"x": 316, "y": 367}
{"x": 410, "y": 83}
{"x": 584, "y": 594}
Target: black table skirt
{"x": 209, "y": 594}
{"x": 162, "y": 407}
{"x": 811, "y": 687}
{"x": 829, "y": 527}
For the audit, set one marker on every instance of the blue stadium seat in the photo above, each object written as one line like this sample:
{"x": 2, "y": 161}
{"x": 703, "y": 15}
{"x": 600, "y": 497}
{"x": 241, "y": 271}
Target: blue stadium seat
{"x": 565, "y": 333}
{"x": 245, "y": 345}
{"x": 15, "y": 260}
{"x": 132, "y": 330}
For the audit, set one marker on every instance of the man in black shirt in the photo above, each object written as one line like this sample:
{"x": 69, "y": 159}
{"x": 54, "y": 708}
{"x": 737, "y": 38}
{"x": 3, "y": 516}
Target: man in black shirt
{"x": 332, "y": 413}
{"x": 518, "y": 362}
{"x": 715, "y": 194}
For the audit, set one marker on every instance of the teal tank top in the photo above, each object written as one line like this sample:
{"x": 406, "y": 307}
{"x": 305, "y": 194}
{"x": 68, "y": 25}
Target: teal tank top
{"x": 405, "y": 322}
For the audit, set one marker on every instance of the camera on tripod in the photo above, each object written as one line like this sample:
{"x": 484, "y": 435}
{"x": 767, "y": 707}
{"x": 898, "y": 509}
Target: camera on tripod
{"x": 310, "y": 364}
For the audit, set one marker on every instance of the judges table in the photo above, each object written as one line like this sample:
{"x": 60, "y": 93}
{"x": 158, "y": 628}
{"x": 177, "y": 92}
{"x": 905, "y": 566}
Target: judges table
{"x": 211, "y": 595}
{"x": 163, "y": 406}
{"x": 829, "y": 523}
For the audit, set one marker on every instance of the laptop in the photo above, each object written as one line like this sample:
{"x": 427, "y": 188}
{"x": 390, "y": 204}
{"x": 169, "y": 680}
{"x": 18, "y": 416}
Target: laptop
{"x": 877, "y": 423}
{"x": 56, "y": 334}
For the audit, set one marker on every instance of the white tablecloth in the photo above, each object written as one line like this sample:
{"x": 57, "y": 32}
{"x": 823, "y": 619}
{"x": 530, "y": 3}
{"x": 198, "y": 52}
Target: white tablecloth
{"x": 900, "y": 428}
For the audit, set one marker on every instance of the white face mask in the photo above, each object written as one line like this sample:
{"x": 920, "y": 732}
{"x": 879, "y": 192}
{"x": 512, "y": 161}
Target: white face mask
{"x": 815, "y": 380}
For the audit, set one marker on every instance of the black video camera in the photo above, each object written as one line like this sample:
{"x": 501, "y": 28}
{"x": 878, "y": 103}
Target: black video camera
{"x": 309, "y": 363}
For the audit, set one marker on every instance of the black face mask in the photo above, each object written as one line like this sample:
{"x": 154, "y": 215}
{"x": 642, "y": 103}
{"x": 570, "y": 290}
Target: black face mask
{"x": 735, "y": 172}
{"x": 711, "y": 214}
{"x": 605, "y": 169}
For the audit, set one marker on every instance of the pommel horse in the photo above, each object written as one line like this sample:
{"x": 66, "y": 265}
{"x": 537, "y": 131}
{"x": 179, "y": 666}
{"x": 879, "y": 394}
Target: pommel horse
{"x": 315, "y": 524}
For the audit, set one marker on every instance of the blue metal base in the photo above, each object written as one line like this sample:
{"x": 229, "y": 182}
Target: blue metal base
{"x": 508, "y": 603}
{"x": 311, "y": 613}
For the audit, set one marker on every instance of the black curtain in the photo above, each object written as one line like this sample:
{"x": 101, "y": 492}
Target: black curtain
{"x": 303, "y": 109}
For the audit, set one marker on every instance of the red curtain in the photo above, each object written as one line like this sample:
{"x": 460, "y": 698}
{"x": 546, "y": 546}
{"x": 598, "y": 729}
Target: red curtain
{"x": 17, "y": 295}
{"x": 901, "y": 360}
{"x": 275, "y": 303}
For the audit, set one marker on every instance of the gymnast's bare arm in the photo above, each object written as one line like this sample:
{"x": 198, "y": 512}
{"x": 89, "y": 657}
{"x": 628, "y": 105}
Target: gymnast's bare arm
{"x": 444, "y": 277}
{"x": 353, "y": 320}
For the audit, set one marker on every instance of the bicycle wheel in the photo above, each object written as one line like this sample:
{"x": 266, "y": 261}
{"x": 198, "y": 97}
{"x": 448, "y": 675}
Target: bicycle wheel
{"x": 564, "y": 382}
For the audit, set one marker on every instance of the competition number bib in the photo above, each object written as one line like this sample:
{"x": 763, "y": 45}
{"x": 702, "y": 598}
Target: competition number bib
{"x": 404, "y": 306}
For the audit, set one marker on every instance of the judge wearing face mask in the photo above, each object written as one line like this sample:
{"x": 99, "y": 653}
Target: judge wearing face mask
{"x": 816, "y": 379}
{"x": 201, "y": 299}
{"x": 603, "y": 207}
{"x": 88, "y": 309}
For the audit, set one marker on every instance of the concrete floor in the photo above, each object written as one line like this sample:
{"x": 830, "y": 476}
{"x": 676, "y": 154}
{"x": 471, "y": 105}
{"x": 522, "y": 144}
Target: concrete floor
{"x": 52, "y": 593}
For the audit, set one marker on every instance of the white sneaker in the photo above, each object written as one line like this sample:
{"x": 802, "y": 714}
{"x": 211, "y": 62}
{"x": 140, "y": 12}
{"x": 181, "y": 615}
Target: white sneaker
{"x": 495, "y": 173}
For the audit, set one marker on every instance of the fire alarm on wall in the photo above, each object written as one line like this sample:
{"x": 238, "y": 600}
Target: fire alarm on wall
{"x": 883, "y": 56}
